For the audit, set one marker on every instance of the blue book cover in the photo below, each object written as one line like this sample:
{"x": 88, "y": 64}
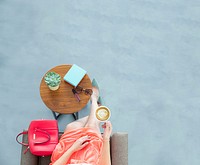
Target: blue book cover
{"x": 74, "y": 75}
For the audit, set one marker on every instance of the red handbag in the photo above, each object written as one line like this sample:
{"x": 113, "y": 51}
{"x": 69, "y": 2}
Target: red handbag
{"x": 42, "y": 137}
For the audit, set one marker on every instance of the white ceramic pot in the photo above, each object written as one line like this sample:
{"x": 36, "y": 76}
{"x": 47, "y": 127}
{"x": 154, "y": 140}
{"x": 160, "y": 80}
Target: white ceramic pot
{"x": 53, "y": 88}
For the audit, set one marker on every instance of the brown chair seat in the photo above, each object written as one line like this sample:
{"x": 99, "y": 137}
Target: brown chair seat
{"x": 119, "y": 151}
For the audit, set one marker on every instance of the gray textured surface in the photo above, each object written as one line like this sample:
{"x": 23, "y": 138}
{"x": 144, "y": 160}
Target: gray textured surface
{"x": 145, "y": 55}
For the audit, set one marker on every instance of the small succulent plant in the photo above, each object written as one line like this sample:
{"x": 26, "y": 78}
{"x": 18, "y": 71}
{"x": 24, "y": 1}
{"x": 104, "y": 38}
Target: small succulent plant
{"x": 52, "y": 79}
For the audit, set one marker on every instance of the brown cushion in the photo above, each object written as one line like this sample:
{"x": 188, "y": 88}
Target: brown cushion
{"x": 119, "y": 149}
{"x": 44, "y": 160}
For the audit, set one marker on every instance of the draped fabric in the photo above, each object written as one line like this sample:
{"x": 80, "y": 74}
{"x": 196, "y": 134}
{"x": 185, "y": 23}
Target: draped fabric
{"x": 89, "y": 155}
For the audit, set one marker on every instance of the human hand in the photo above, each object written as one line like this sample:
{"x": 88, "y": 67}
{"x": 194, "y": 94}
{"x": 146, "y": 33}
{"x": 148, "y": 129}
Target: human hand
{"x": 80, "y": 143}
{"x": 107, "y": 126}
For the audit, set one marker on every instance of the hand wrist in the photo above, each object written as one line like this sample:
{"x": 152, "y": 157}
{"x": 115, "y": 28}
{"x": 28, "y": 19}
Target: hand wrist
{"x": 106, "y": 139}
{"x": 71, "y": 149}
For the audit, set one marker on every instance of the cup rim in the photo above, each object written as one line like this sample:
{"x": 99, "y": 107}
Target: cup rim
{"x": 104, "y": 107}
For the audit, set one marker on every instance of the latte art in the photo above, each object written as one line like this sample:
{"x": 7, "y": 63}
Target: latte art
{"x": 102, "y": 113}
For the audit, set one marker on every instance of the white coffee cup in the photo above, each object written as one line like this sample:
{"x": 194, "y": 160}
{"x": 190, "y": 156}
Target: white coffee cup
{"x": 103, "y": 113}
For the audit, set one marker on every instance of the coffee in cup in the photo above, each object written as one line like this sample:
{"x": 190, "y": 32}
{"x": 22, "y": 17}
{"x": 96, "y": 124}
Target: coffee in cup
{"x": 102, "y": 113}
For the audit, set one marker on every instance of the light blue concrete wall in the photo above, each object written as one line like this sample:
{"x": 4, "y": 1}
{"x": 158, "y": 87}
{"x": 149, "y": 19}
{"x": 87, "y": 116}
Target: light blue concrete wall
{"x": 145, "y": 55}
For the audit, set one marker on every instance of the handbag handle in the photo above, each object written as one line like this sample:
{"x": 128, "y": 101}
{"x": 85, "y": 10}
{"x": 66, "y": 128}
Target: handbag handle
{"x": 22, "y": 133}
{"x": 45, "y": 132}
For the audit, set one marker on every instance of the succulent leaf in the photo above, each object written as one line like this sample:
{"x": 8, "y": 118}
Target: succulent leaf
{"x": 52, "y": 79}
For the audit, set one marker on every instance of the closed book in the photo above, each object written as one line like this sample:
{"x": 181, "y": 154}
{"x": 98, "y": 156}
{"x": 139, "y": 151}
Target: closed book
{"x": 74, "y": 75}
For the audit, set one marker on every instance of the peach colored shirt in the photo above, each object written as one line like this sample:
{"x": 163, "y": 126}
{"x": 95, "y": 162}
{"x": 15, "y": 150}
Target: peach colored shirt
{"x": 89, "y": 155}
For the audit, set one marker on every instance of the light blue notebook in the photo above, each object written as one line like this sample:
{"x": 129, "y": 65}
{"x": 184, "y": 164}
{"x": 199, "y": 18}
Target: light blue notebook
{"x": 74, "y": 75}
